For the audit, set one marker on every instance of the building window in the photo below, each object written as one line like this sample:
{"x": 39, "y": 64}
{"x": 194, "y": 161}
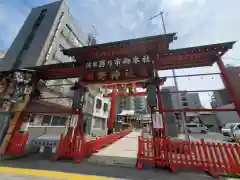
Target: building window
{"x": 183, "y": 99}
{"x": 59, "y": 121}
{"x": 184, "y": 104}
{"x": 70, "y": 36}
{"x": 105, "y": 107}
{"x": 46, "y": 120}
{"x": 99, "y": 104}
{"x": 37, "y": 120}
{"x": 61, "y": 47}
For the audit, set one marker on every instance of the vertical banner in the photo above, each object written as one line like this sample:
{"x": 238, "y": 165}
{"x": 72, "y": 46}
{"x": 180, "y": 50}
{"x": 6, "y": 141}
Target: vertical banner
{"x": 157, "y": 120}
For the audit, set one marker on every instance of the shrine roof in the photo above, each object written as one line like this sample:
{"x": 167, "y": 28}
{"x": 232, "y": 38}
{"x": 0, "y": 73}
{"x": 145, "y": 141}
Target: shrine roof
{"x": 113, "y": 50}
{"x": 224, "y": 47}
{"x": 72, "y": 51}
{"x": 197, "y": 56}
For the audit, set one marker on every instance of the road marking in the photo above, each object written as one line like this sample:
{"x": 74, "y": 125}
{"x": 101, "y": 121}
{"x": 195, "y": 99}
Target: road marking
{"x": 50, "y": 174}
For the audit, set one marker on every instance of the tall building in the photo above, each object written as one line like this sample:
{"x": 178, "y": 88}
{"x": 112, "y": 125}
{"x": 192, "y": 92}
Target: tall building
{"x": 193, "y": 100}
{"x": 183, "y": 100}
{"x": 170, "y": 118}
{"x": 220, "y": 97}
{"x": 234, "y": 75}
{"x": 47, "y": 30}
{"x": 174, "y": 96}
{"x": 140, "y": 104}
{"x": 125, "y": 103}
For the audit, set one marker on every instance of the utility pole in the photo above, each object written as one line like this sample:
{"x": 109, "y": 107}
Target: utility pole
{"x": 174, "y": 78}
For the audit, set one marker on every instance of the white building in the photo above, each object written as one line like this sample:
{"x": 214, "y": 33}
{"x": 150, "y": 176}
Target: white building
{"x": 100, "y": 114}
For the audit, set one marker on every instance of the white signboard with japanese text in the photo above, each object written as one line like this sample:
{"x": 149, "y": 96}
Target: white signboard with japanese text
{"x": 157, "y": 120}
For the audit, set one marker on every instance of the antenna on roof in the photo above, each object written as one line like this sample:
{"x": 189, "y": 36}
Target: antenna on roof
{"x": 92, "y": 36}
{"x": 163, "y": 22}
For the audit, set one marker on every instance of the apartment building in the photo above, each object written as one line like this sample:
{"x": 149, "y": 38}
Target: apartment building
{"x": 140, "y": 104}
{"x": 47, "y": 30}
{"x": 125, "y": 103}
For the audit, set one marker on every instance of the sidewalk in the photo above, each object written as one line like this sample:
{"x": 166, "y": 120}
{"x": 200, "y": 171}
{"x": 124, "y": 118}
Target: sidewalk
{"x": 122, "y": 152}
{"x": 7, "y": 173}
{"x": 28, "y": 174}
{"x": 87, "y": 171}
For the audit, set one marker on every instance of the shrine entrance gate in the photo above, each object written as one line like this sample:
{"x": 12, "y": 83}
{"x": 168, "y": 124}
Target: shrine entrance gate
{"x": 137, "y": 61}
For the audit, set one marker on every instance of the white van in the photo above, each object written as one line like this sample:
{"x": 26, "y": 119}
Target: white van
{"x": 196, "y": 128}
{"x": 231, "y": 131}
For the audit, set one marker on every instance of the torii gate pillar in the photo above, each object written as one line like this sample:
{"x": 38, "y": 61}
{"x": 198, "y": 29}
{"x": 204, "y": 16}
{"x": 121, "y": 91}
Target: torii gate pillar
{"x": 112, "y": 112}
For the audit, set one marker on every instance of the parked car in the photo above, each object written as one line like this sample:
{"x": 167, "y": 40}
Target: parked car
{"x": 231, "y": 131}
{"x": 196, "y": 128}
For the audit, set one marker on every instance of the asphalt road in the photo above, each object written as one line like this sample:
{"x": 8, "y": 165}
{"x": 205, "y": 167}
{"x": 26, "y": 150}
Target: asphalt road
{"x": 7, "y": 176}
{"x": 210, "y": 136}
{"x": 85, "y": 168}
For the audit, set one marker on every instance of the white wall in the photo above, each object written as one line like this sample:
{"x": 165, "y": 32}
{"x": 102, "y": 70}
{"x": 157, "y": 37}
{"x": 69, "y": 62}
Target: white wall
{"x": 100, "y": 117}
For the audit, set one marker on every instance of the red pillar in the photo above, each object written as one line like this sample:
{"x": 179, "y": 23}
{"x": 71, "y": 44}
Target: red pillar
{"x": 228, "y": 85}
{"x": 78, "y": 131}
{"x": 112, "y": 111}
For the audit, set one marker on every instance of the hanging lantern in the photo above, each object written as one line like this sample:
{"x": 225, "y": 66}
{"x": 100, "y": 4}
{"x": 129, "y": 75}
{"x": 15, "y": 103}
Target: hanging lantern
{"x": 19, "y": 77}
{"x": 6, "y": 105}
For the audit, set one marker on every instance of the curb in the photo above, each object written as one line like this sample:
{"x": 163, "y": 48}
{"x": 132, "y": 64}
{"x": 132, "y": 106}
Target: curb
{"x": 230, "y": 176}
{"x": 9, "y": 158}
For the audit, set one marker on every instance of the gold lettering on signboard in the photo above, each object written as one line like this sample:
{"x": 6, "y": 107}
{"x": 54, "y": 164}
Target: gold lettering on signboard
{"x": 115, "y": 75}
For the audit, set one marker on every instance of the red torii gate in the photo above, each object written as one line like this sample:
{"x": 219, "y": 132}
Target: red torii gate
{"x": 133, "y": 61}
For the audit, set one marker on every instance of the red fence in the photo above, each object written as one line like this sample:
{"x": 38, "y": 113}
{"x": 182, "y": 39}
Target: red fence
{"x": 208, "y": 156}
{"x": 78, "y": 148}
{"x": 66, "y": 147}
{"x": 94, "y": 146}
{"x": 17, "y": 144}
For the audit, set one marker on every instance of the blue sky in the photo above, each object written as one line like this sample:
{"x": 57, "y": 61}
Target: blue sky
{"x": 197, "y": 22}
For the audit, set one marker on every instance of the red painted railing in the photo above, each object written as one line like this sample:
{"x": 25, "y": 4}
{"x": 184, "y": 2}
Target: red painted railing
{"x": 94, "y": 146}
{"x": 17, "y": 144}
{"x": 77, "y": 148}
{"x": 208, "y": 156}
{"x": 66, "y": 147}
